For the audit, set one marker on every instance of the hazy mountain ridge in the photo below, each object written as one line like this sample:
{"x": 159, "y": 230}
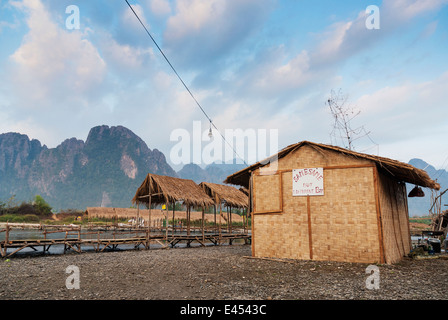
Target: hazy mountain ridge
{"x": 215, "y": 173}
{"x": 421, "y": 206}
{"x": 109, "y": 166}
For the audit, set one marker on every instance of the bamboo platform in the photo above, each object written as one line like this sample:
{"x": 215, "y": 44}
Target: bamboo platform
{"x": 75, "y": 239}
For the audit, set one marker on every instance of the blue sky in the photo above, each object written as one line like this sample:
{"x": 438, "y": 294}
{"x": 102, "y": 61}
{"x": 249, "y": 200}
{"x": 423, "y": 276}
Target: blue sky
{"x": 251, "y": 64}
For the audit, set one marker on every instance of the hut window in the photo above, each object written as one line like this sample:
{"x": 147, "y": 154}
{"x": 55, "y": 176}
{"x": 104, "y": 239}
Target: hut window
{"x": 267, "y": 191}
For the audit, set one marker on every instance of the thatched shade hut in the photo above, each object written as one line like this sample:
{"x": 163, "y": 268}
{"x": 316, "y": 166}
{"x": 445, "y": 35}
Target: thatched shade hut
{"x": 227, "y": 195}
{"x": 157, "y": 189}
{"x": 165, "y": 189}
{"x": 321, "y": 202}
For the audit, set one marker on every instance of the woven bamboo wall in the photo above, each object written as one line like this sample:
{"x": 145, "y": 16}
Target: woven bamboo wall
{"x": 268, "y": 193}
{"x": 343, "y": 222}
{"x": 395, "y": 218}
{"x": 283, "y": 235}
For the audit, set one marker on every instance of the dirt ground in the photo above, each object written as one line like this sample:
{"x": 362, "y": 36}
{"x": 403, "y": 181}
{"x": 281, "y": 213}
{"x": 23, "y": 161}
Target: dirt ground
{"x": 213, "y": 273}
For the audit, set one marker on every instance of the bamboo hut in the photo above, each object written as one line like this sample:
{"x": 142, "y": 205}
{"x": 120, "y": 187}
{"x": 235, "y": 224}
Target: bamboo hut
{"x": 165, "y": 189}
{"x": 319, "y": 202}
{"x": 157, "y": 189}
{"x": 228, "y": 196}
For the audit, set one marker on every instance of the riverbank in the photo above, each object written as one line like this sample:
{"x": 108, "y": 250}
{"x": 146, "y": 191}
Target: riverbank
{"x": 214, "y": 273}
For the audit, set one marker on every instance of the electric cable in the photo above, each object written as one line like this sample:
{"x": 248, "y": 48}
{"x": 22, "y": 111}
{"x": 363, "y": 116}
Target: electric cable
{"x": 182, "y": 81}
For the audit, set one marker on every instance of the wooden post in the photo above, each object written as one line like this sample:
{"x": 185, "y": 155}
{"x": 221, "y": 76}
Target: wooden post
{"x": 149, "y": 214}
{"x": 174, "y": 205}
{"x": 166, "y": 224}
{"x": 230, "y": 219}
{"x": 7, "y": 234}
{"x": 188, "y": 220}
{"x": 310, "y": 238}
{"x": 148, "y": 243}
{"x": 246, "y": 226}
{"x": 219, "y": 229}
{"x": 203, "y": 224}
{"x": 138, "y": 213}
{"x": 376, "y": 185}
{"x": 98, "y": 242}
{"x": 252, "y": 210}
{"x": 79, "y": 239}
{"x": 65, "y": 241}
{"x": 214, "y": 211}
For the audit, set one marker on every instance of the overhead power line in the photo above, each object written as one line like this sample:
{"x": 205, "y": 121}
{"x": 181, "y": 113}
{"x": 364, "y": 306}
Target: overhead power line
{"x": 182, "y": 81}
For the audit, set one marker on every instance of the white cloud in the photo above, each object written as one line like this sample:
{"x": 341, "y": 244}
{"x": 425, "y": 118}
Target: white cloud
{"x": 51, "y": 59}
{"x": 124, "y": 57}
{"x": 403, "y": 10}
{"x": 344, "y": 39}
{"x": 202, "y": 31}
{"x": 160, "y": 7}
{"x": 194, "y": 15}
{"x": 399, "y": 112}
{"x": 128, "y": 17}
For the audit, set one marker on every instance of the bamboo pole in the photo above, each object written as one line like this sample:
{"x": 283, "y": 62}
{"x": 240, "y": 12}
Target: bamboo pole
{"x": 245, "y": 220}
{"x": 310, "y": 238}
{"x": 188, "y": 220}
{"x": 166, "y": 219}
{"x": 138, "y": 212}
{"x": 7, "y": 233}
{"x": 203, "y": 217}
{"x": 230, "y": 214}
{"x": 220, "y": 209}
{"x": 174, "y": 205}
{"x": 228, "y": 220}
{"x": 79, "y": 239}
{"x": 149, "y": 213}
{"x": 214, "y": 211}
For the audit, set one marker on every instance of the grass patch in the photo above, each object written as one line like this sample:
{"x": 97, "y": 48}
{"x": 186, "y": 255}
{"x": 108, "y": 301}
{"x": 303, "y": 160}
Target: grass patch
{"x": 19, "y": 218}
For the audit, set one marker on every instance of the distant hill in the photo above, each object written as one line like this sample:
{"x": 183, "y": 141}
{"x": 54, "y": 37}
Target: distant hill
{"x": 215, "y": 173}
{"x": 105, "y": 170}
{"x": 421, "y": 206}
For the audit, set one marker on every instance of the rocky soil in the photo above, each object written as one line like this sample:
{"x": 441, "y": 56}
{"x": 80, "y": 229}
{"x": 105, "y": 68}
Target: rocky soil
{"x": 213, "y": 273}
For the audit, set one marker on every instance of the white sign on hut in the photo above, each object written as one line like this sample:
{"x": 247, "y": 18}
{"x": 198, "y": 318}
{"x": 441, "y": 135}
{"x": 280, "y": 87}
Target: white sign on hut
{"x": 308, "y": 182}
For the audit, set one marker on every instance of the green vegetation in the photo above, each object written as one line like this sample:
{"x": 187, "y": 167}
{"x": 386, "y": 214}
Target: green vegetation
{"x": 31, "y": 211}
{"x": 36, "y": 211}
{"x": 18, "y": 218}
{"x": 424, "y": 219}
{"x": 39, "y": 211}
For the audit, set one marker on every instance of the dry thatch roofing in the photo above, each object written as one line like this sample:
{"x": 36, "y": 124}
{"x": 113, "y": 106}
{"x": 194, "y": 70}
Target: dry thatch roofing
{"x": 165, "y": 189}
{"x": 229, "y": 195}
{"x": 400, "y": 170}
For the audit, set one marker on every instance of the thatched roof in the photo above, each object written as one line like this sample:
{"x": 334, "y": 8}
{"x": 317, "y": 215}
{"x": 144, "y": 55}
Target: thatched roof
{"x": 400, "y": 170}
{"x": 168, "y": 189}
{"x": 229, "y": 195}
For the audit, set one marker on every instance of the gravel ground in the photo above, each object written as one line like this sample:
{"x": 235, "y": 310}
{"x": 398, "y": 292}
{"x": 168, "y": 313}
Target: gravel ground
{"x": 213, "y": 273}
